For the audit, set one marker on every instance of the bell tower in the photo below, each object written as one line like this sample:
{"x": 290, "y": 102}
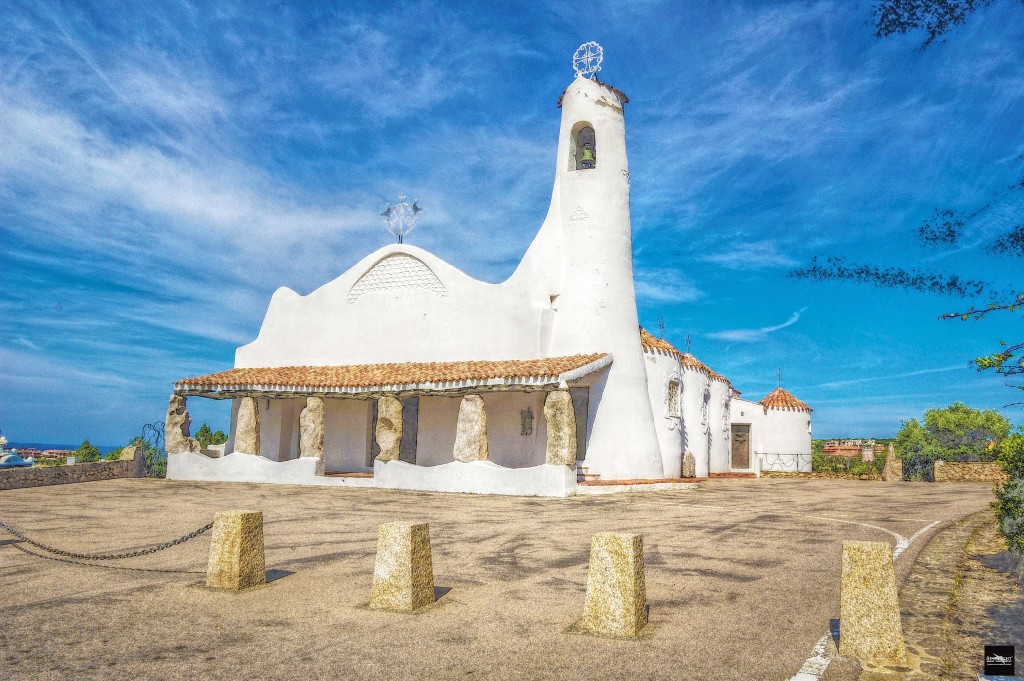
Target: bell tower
{"x": 597, "y": 302}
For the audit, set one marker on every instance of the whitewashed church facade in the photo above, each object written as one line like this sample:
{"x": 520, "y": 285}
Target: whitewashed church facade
{"x": 404, "y": 372}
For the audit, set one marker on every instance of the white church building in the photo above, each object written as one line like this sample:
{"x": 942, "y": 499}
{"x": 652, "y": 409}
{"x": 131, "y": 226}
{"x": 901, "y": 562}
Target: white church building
{"x": 404, "y": 372}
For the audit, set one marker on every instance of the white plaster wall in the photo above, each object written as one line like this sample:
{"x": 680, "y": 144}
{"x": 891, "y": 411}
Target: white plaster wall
{"x": 248, "y": 468}
{"x": 505, "y": 443}
{"x": 435, "y": 441}
{"x": 661, "y": 369}
{"x": 480, "y": 477}
{"x": 720, "y": 453}
{"x": 695, "y": 440}
{"x": 279, "y": 424}
{"x": 346, "y": 433}
{"x": 230, "y": 444}
{"x": 491, "y": 321}
{"x": 786, "y": 432}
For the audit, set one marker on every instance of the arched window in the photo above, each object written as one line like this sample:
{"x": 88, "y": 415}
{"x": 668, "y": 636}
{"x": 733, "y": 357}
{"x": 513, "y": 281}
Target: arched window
{"x": 584, "y": 147}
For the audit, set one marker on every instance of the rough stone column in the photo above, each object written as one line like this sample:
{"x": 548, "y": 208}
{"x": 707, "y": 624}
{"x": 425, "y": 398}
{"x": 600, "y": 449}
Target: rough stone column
{"x": 176, "y": 435}
{"x": 389, "y": 428}
{"x": 311, "y": 428}
{"x": 561, "y": 420}
{"x": 869, "y": 607}
{"x": 236, "y": 551}
{"x": 689, "y": 467}
{"x": 403, "y": 575}
{"x": 247, "y": 427}
{"x": 616, "y": 602}
{"x": 471, "y": 433}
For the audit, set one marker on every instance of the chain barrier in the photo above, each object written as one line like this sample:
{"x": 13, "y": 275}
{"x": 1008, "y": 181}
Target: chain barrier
{"x": 107, "y": 556}
{"x": 107, "y": 566}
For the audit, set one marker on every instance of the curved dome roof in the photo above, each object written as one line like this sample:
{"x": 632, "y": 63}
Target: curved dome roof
{"x": 783, "y": 399}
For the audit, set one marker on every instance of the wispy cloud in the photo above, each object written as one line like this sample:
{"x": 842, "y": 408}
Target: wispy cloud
{"x": 749, "y": 256}
{"x": 664, "y": 285}
{"x": 890, "y": 377}
{"x": 752, "y": 335}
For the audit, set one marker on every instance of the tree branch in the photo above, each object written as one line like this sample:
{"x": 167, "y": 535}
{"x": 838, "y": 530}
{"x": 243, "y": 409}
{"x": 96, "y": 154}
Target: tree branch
{"x": 836, "y": 269}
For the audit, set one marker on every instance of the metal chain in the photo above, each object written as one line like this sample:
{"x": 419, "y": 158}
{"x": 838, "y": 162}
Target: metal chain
{"x": 14, "y": 545}
{"x": 107, "y": 556}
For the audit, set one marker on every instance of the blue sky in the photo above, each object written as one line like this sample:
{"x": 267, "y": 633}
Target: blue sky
{"x": 164, "y": 167}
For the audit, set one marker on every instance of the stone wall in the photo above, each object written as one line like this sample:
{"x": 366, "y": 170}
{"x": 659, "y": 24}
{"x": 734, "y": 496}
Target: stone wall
{"x": 968, "y": 471}
{"x": 38, "y": 476}
{"x": 820, "y": 475}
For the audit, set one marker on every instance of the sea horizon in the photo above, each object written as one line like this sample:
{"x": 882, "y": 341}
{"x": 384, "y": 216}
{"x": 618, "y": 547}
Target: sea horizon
{"x": 43, "y": 446}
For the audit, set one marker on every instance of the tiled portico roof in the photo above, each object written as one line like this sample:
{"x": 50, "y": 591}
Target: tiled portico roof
{"x": 406, "y": 376}
{"x": 783, "y": 399}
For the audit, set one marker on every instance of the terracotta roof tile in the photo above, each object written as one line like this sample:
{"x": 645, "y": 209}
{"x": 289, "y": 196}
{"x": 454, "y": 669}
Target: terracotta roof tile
{"x": 364, "y": 376}
{"x": 783, "y": 399}
{"x": 652, "y": 344}
{"x": 649, "y": 342}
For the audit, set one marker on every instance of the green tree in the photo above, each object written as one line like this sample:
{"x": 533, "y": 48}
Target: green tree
{"x": 955, "y": 433}
{"x": 966, "y": 434}
{"x": 207, "y": 437}
{"x": 1009, "y": 503}
{"x": 87, "y": 452}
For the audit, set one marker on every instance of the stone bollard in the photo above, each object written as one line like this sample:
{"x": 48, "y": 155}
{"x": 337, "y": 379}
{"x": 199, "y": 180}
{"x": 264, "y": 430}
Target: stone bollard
{"x": 869, "y": 608}
{"x": 236, "y": 551}
{"x": 403, "y": 576}
{"x": 616, "y": 603}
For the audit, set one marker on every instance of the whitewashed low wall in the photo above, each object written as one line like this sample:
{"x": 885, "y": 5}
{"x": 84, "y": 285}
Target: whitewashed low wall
{"x": 479, "y": 477}
{"x": 239, "y": 467}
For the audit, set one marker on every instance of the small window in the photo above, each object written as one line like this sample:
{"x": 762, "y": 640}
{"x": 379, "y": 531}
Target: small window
{"x": 584, "y": 147}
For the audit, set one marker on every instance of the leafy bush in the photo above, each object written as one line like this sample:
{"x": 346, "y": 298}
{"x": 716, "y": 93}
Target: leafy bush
{"x": 966, "y": 434}
{"x": 822, "y": 463}
{"x": 1009, "y": 503}
{"x": 112, "y": 455}
{"x": 156, "y": 461}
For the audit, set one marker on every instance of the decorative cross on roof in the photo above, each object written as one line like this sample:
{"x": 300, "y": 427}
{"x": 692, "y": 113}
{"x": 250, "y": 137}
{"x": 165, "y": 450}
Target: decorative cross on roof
{"x": 401, "y": 217}
{"x": 587, "y": 59}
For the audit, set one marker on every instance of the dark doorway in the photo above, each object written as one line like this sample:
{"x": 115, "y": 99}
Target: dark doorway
{"x": 741, "y": 446}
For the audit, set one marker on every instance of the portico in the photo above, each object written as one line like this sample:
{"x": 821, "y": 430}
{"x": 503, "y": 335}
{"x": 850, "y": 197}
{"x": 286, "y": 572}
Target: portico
{"x": 492, "y": 426}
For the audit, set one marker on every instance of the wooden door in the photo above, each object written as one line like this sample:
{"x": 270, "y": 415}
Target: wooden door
{"x": 741, "y": 446}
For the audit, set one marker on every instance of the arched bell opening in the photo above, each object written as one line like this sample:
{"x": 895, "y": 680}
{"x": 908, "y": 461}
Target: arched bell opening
{"x": 583, "y": 147}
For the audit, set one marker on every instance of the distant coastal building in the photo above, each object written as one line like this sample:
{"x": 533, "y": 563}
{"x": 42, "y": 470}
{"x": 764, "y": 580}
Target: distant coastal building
{"x": 406, "y": 373}
{"x": 864, "y": 449}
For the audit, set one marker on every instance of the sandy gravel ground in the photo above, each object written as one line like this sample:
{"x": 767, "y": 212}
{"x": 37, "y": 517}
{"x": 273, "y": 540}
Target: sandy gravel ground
{"x": 961, "y": 594}
{"x": 742, "y": 580}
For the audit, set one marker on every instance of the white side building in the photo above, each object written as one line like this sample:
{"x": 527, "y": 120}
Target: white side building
{"x": 405, "y": 372}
